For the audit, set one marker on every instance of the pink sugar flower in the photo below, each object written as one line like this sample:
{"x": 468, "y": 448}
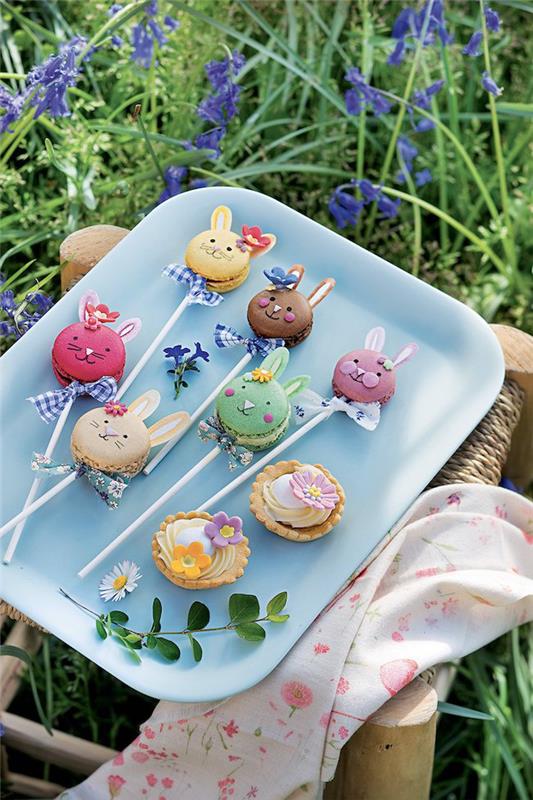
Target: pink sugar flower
{"x": 115, "y": 409}
{"x": 313, "y": 490}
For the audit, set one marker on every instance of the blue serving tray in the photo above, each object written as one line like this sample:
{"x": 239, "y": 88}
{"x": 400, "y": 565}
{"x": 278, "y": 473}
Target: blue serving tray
{"x": 442, "y": 394}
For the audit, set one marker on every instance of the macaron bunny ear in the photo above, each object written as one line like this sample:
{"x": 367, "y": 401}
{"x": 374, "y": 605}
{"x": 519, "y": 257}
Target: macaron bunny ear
{"x": 256, "y": 251}
{"x": 221, "y": 219}
{"x": 129, "y": 329}
{"x": 407, "y": 352}
{"x": 89, "y": 298}
{"x": 146, "y": 404}
{"x": 298, "y": 270}
{"x": 167, "y": 427}
{"x": 375, "y": 339}
{"x": 276, "y": 362}
{"x": 296, "y": 385}
{"x": 321, "y": 291}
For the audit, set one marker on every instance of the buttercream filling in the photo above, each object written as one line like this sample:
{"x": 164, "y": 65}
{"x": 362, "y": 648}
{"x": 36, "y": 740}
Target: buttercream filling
{"x": 282, "y": 505}
{"x": 263, "y": 439}
{"x": 185, "y": 531}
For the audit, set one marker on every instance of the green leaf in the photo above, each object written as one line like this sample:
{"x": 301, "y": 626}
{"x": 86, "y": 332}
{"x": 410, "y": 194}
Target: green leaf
{"x": 168, "y": 649}
{"x": 243, "y": 608}
{"x": 196, "y": 648}
{"x": 133, "y": 638}
{"x": 278, "y": 617}
{"x": 118, "y": 616}
{"x": 157, "y": 610}
{"x": 198, "y": 616}
{"x": 100, "y": 627}
{"x": 250, "y": 631}
{"x": 131, "y": 651}
{"x": 22, "y": 655}
{"x": 151, "y": 642}
{"x": 460, "y": 711}
{"x": 277, "y": 603}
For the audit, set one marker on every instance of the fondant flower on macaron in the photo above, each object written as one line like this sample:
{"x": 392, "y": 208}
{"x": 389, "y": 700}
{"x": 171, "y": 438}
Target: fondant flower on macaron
{"x": 190, "y": 560}
{"x": 313, "y": 490}
{"x": 115, "y": 409}
{"x": 280, "y": 278}
{"x": 224, "y": 530}
{"x": 253, "y": 236}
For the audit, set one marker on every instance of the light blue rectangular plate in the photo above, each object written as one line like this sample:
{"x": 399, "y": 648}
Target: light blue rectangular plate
{"x": 442, "y": 394}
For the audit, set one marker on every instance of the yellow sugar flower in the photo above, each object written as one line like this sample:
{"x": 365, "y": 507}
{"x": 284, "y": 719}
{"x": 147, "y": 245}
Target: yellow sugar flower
{"x": 190, "y": 560}
{"x": 262, "y": 375}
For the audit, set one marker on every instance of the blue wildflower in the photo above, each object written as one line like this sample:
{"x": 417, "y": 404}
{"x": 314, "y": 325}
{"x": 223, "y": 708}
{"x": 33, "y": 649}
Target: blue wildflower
{"x": 490, "y": 85}
{"x": 422, "y": 97}
{"x": 198, "y": 183}
{"x": 492, "y": 20}
{"x": 177, "y": 353}
{"x": 143, "y": 45}
{"x": 344, "y": 208}
{"x": 368, "y": 190}
{"x": 210, "y": 140}
{"x": 423, "y": 176}
{"x": 114, "y": 9}
{"x": 173, "y": 180}
{"x": 473, "y": 48}
{"x": 424, "y": 125}
{"x": 116, "y": 40}
{"x": 409, "y": 25}
{"x": 363, "y": 95}
{"x": 199, "y": 353}
{"x": 48, "y": 82}
{"x": 396, "y": 57}
{"x": 387, "y": 207}
{"x": 21, "y": 316}
{"x": 221, "y": 106}
{"x": 157, "y": 32}
{"x": 171, "y": 23}
{"x": 406, "y": 151}
{"x": 7, "y": 301}
{"x": 41, "y": 301}
{"x": 13, "y": 105}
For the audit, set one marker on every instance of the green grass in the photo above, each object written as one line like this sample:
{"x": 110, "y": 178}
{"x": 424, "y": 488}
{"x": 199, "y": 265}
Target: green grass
{"x": 468, "y": 232}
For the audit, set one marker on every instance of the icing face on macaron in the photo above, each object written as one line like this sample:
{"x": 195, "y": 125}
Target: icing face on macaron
{"x": 281, "y": 311}
{"x": 90, "y": 349}
{"x": 115, "y": 438}
{"x": 367, "y": 375}
{"x": 255, "y": 408}
{"x": 223, "y": 256}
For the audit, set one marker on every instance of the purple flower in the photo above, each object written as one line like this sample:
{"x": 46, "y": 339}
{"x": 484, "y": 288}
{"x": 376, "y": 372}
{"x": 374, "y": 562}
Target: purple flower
{"x": 7, "y": 301}
{"x": 13, "y": 105}
{"x": 41, "y": 301}
{"x": 354, "y": 102}
{"x": 473, "y": 48}
{"x": 363, "y": 95}
{"x": 422, "y": 97}
{"x": 224, "y": 530}
{"x": 406, "y": 151}
{"x": 424, "y": 125}
{"x": 210, "y": 140}
{"x": 409, "y": 26}
{"x": 143, "y": 45}
{"x": 423, "y": 177}
{"x": 171, "y": 23}
{"x": 198, "y": 183}
{"x": 368, "y": 190}
{"x": 492, "y": 19}
{"x": 396, "y": 57}
{"x": 344, "y": 208}
{"x": 116, "y": 40}
{"x": 157, "y": 32}
{"x": 199, "y": 353}
{"x": 177, "y": 353}
{"x": 114, "y": 9}
{"x": 173, "y": 179}
{"x": 490, "y": 85}
{"x": 387, "y": 207}
{"x": 22, "y": 316}
{"x": 48, "y": 83}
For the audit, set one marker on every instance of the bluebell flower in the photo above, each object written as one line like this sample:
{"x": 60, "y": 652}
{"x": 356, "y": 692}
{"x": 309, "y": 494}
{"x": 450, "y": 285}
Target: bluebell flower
{"x": 199, "y": 353}
{"x": 423, "y": 176}
{"x": 171, "y": 23}
{"x": 21, "y": 316}
{"x": 221, "y": 106}
{"x": 157, "y": 32}
{"x": 143, "y": 45}
{"x": 344, "y": 208}
{"x": 41, "y": 301}
{"x": 368, "y": 190}
{"x": 48, "y": 82}
{"x": 279, "y": 277}
{"x": 363, "y": 95}
{"x": 424, "y": 125}
{"x": 473, "y": 48}
{"x": 396, "y": 57}
{"x": 114, "y": 9}
{"x": 492, "y": 19}
{"x": 210, "y": 140}
{"x": 354, "y": 102}
{"x": 408, "y": 27}
{"x": 388, "y": 208}
{"x": 407, "y": 151}
{"x": 422, "y": 97}
{"x": 116, "y": 40}
{"x": 13, "y": 105}
{"x": 7, "y": 301}
{"x": 177, "y": 353}
{"x": 173, "y": 180}
{"x": 490, "y": 85}
{"x": 198, "y": 183}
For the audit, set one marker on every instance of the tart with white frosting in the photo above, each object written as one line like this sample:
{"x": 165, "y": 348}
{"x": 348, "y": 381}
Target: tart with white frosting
{"x": 197, "y": 550}
{"x": 298, "y": 501}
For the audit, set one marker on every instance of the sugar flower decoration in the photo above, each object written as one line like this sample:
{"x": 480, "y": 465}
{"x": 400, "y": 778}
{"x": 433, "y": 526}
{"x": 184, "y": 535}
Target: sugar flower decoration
{"x": 313, "y": 490}
{"x": 262, "y": 375}
{"x": 253, "y": 236}
{"x": 102, "y": 312}
{"x": 115, "y": 409}
{"x": 224, "y": 530}
{"x": 123, "y": 578}
{"x": 280, "y": 278}
{"x": 190, "y": 560}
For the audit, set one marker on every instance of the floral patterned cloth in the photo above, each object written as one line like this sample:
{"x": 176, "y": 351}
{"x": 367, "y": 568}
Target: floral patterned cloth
{"x": 110, "y": 487}
{"x": 453, "y": 574}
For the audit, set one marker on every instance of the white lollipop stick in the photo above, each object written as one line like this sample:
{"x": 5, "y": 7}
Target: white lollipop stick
{"x": 56, "y": 433}
{"x": 257, "y": 465}
{"x": 149, "y": 511}
{"x": 44, "y": 498}
{"x": 152, "y": 464}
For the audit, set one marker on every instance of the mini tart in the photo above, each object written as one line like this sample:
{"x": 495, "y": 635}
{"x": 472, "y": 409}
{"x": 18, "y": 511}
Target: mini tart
{"x": 242, "y": 552}
{"x": 258, "y": 506}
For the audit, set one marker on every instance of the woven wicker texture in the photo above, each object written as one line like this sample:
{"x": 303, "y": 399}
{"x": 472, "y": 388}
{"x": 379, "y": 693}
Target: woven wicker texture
{"x": 480, "y": 459}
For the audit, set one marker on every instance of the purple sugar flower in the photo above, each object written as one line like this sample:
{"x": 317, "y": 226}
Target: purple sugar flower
{"x": 173, "y": 179}
{"x": 492, "y": 20}
{"x": 344, "y": 208}
{"x": 473, "y": 48}
{"x": 423, "y": 176}
{"x": 224, "y": 530}
{"x": 490, "y": 85}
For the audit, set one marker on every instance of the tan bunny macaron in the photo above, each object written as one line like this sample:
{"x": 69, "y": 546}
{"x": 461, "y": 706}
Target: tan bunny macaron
{"x": 115, "y": 438}
{"x": 222, "y": 256}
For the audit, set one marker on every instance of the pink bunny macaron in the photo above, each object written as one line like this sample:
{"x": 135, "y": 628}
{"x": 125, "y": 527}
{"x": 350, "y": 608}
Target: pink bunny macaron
{"x": 367, "y": 375}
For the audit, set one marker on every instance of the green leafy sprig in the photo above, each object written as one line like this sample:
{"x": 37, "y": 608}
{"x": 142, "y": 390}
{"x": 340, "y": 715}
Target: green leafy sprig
{"x": 244, "y": 618}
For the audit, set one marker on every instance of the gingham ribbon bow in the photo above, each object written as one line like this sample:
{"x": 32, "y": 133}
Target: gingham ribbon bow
{"x": 196, "y": 291}
{"x": 226, "y": 336}
{"x": 310, "y": 404}
{"x": 109, "y": 487}
{"x": 210, "y": 430}
{"x": 49, "y": 405}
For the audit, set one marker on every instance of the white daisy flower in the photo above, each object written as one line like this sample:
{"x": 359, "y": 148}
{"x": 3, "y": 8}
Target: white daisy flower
{"x": 123, "y": 578}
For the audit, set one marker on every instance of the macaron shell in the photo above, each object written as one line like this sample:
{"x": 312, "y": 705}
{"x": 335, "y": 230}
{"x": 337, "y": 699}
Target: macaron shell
{"x": 230, "y": 284}
{"x": 72, "y": 359}
{"x": 89, "y": 446}
{"x": 294, "y": 318}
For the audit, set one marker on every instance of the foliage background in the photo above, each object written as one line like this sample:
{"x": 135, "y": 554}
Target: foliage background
{"x": 294, "y": 140}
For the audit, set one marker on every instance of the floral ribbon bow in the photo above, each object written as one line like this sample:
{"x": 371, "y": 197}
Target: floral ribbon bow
{"x": 210, "y": 430}
{"x": 196, "y": 291}
{"x": 226, "y": 336}
{"x": 109, "y": 487}
{"x": 310, "y": 404}
{"x": 49, "y": 405}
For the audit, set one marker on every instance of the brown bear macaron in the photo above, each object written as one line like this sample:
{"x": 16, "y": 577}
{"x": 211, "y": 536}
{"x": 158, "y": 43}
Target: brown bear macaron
{"x": 281, "y": 311}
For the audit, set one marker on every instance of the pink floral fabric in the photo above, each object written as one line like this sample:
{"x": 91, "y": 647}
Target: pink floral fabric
{"x": 453, "y": 574}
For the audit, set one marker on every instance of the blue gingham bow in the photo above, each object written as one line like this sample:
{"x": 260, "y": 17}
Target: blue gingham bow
{"x": 226, "y": 336}
{"x": 49, "y": 405}
{"x": 196, "y": 291}
{"x": 109, "y": 487}
{"x": 309, "y": 404}
{"x": 210, "y": 430}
